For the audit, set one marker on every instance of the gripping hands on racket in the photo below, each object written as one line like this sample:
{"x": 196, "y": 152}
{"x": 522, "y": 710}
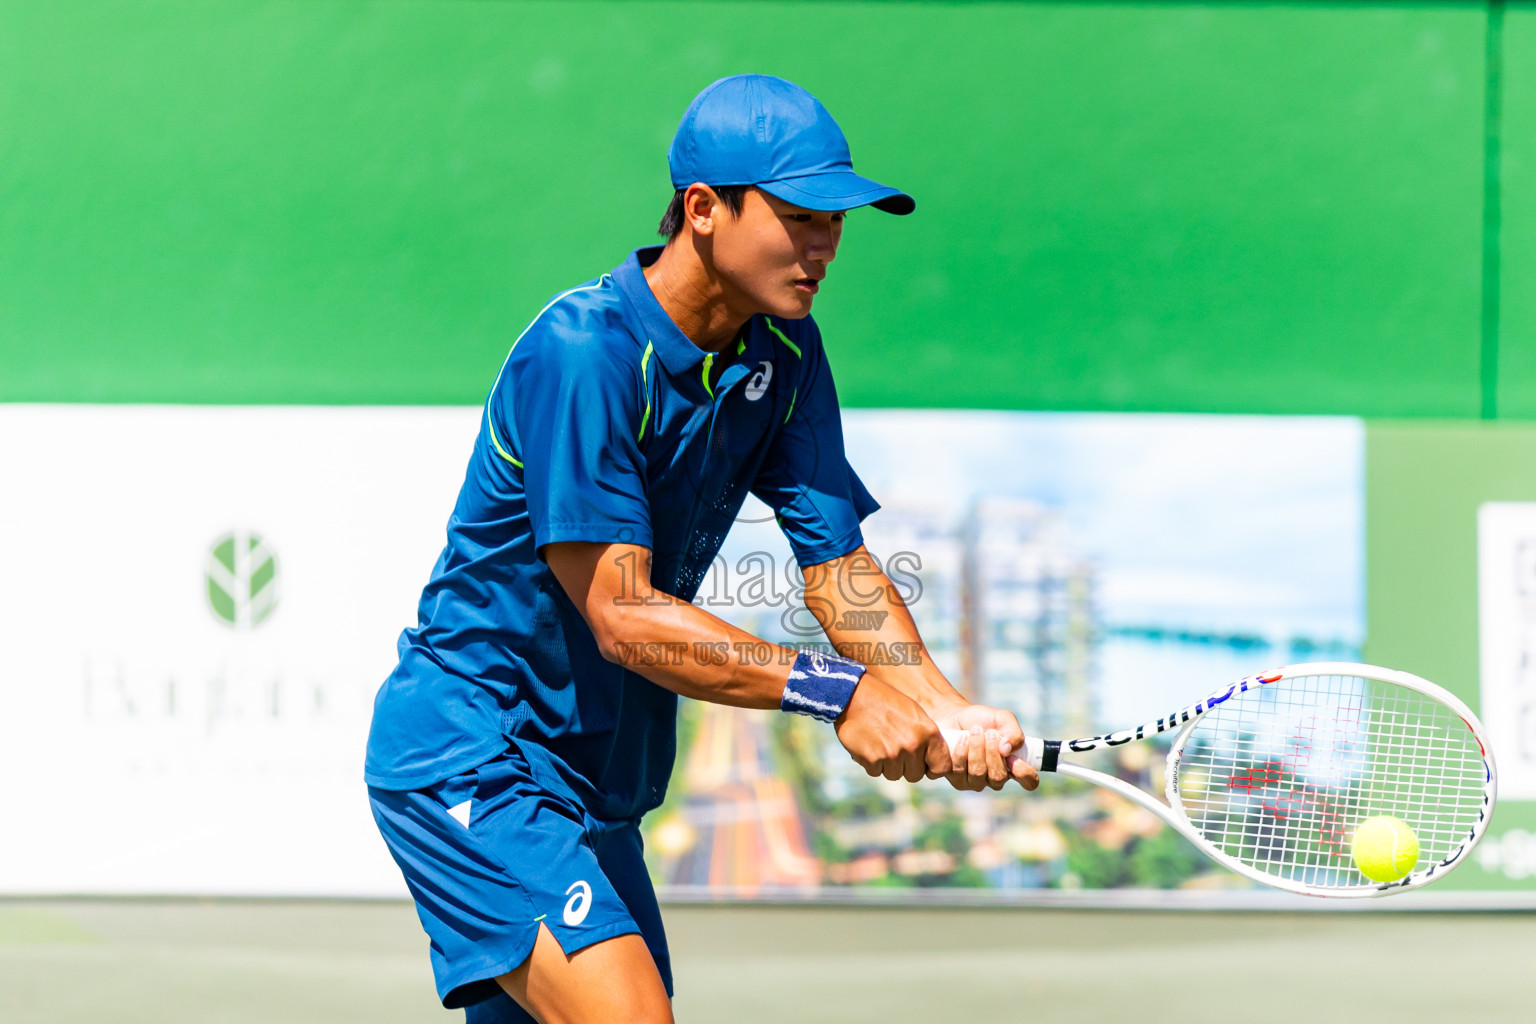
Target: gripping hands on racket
{"x": 890, "y": 734}
{"x": 986, "y": 741}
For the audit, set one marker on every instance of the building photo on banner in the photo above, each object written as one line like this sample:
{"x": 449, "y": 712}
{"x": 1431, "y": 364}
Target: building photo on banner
{"x": 1080, "y": 570}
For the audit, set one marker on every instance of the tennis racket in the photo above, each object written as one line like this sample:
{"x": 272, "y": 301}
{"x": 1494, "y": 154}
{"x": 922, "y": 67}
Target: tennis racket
{"x": 1270, "y": 777}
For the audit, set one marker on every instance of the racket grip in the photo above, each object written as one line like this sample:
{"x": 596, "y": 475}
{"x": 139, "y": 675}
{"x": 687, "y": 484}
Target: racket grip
{"x": 1034, "y": 747}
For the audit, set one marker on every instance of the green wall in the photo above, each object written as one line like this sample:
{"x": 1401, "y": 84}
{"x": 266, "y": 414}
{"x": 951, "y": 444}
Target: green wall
{"x": 1128, "y": 207}
{"x": 1424, "y": 483}
{"x": 1517, "y": 222}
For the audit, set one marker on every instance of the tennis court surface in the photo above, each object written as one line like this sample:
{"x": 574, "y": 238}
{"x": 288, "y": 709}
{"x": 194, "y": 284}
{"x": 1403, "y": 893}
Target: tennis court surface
{"x": 229, "y": 962}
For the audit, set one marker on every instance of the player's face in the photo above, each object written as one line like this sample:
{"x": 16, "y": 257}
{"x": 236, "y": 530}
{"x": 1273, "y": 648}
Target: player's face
{"x": 775, "y": 254}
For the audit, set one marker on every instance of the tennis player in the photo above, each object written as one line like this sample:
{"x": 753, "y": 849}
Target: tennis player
{"x": 530, "y": 722}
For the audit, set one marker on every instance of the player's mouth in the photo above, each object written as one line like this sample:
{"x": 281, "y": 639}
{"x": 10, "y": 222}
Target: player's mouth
{"x": 810, "y": 285}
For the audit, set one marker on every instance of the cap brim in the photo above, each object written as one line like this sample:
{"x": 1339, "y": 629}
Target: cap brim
{"x": 839, "y": 190}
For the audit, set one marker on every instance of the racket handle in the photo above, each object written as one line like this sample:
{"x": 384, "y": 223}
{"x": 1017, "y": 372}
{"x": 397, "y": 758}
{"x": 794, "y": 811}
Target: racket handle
{"x": 1034, "y": 747}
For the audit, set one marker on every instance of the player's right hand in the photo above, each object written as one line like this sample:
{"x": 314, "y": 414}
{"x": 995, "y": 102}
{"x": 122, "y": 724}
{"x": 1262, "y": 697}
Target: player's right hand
{"x": 889, "y": 734}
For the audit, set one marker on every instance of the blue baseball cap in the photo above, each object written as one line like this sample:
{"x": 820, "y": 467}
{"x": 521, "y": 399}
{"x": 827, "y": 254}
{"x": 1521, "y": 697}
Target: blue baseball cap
{"x": 761, "y": 130}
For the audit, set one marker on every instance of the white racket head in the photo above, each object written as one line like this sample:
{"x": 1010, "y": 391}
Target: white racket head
{"x": 1277, "y": 772}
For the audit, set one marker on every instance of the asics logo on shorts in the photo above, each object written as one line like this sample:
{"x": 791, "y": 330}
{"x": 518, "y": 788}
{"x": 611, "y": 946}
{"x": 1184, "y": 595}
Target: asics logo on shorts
{"x": 577, "y": 906}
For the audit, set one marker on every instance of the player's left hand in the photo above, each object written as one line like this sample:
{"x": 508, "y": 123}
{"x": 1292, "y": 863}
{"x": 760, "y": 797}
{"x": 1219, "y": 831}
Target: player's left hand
{"x": 981, "y": 758}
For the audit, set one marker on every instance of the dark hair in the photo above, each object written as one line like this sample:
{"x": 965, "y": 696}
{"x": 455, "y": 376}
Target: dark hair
{"x": 733, "y": 196}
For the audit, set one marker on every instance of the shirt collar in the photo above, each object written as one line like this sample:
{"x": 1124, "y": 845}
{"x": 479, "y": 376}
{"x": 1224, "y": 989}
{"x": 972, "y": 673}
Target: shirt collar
{"x": 676, "y": 352}
{"x": 759, "y": 340}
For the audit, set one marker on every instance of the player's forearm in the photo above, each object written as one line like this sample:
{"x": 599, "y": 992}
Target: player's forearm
{"x": 685, "y": 649}
{"x": 668, "y": 641}
{"x": 880, "y": 631}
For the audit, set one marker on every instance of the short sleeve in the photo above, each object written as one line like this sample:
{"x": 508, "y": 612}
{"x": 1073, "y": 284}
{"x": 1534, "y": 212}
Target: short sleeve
{"x": 818, "y": 498}
{"x": 570, "y": 410}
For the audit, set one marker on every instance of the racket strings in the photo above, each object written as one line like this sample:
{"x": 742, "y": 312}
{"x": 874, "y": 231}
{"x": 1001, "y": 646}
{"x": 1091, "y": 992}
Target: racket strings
{"x": 1280, "y": 778}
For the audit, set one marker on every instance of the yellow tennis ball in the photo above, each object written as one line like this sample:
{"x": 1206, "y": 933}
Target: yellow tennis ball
{"x": 1385, "y": 848}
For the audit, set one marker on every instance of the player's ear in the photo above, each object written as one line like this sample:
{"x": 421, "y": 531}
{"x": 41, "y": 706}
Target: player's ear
{"x": 701, "y": 208}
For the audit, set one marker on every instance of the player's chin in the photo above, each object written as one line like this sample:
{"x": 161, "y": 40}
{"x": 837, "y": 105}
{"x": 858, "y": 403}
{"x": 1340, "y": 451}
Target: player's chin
{"x": 795, "y": 301}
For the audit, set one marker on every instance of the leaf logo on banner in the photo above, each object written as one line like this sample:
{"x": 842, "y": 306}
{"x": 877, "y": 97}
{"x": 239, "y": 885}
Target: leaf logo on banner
{"x": 242, "y": 580}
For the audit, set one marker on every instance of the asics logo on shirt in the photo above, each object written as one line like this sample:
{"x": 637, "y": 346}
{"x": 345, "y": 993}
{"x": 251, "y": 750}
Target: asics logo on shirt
{"x": 757, "y": 385}
{"x": 577, "y": 906}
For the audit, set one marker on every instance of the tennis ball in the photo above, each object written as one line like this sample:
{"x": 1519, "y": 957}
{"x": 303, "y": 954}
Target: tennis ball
{"x": 1385, "y": 848}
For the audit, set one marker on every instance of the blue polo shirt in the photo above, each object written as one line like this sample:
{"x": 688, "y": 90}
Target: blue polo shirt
{"x": 605, "y": 424}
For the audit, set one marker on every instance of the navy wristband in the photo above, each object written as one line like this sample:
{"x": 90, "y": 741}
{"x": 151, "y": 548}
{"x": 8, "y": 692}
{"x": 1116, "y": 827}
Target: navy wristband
{"x": 820, "y": 685}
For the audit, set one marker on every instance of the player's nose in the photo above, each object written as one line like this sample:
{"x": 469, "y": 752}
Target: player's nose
{"x": 822, "y": 246}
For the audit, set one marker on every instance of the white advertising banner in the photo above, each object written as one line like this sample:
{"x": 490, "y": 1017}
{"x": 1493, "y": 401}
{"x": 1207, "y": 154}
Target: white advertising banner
{"x": 199, "y": 604}
{"x": 1506, "y": 583}
{"x": 197, "y": 607}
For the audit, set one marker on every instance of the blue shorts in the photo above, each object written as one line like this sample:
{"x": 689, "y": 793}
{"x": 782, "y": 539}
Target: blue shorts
{"x": 490, "y": 855}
